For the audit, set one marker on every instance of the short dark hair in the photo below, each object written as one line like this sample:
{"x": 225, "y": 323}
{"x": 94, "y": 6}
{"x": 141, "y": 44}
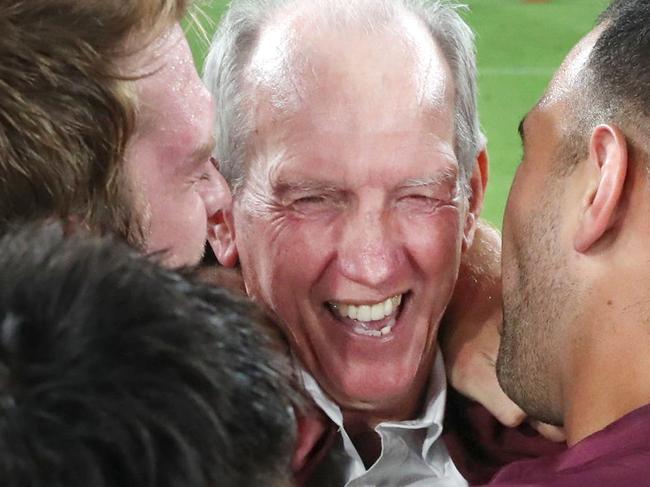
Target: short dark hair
{"x": 614, "y": 85}
{"x": 117, "y": 372}
{"x": 619, "y": 65}
{"x": 620, "y": 59}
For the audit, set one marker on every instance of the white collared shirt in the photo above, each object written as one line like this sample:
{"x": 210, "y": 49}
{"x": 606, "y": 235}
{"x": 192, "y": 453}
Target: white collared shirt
{"x": 412, "y": 452}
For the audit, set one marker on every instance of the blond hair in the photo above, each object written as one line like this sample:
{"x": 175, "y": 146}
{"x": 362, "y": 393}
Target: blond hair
{"x": 67, "y": 110}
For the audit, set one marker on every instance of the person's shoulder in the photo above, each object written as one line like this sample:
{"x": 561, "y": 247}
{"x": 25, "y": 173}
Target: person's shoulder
{"x": 481, "y": 446}
{"x": 595, "y": 461}
{"x": 531, "y": 472}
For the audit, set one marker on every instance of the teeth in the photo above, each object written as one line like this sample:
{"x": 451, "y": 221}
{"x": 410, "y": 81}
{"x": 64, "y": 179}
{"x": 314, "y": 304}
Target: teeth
{"x": 365, "y": 313}
{"x": 377, "y": 311}
{"x": 362, "y": 330}
{"x": 351, "y": 312}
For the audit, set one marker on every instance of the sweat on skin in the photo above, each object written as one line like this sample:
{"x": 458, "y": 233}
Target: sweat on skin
{"x": 169, "y": 157}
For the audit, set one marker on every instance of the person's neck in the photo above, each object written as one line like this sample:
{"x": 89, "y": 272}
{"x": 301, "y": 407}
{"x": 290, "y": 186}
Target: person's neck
{"x": 360, "y": 424}
{"x": 608, "y": 377}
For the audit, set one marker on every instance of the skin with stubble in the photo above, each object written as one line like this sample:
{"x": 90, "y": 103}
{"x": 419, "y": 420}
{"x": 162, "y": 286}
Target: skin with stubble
{"x": 538, "y": 287}
{"x": 169, "y": 158}
{"x": 351, "y": 224}
{"x": 574, "y": 347}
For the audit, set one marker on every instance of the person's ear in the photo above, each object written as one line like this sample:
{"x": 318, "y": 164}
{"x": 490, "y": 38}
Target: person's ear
{"x": 221, "y": 228}
{"x": 478, "y": 184}
{"x": 607, "y": 166}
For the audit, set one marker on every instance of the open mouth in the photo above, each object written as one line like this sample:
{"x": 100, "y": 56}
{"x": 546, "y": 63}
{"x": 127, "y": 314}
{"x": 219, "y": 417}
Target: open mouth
{"x": 372, "y": 319}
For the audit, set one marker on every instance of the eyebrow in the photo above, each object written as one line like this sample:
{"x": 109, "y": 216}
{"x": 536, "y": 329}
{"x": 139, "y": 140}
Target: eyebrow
{"x": 283, "y": 187}
{"x": 204, "y": 150}
{"x": 520, "y": 129}
{"x": 449, "y": 175}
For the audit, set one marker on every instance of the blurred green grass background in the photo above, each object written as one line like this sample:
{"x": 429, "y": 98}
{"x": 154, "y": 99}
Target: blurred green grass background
{"x": 520, "y": 44}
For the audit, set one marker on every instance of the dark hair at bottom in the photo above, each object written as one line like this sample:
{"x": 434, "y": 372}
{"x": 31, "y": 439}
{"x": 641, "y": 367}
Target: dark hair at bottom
{"x": 117, "y": 372}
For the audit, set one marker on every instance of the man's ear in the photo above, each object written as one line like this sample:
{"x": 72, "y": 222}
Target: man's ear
{"x": 221, "y": 228}
{"x": 478, "y": 184}
{"x": 607, "y": 166}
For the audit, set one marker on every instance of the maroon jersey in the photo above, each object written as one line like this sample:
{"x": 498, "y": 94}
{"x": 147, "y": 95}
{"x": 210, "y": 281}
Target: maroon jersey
{"x": 480, "y": 446}
{"x": 618, "y": 455}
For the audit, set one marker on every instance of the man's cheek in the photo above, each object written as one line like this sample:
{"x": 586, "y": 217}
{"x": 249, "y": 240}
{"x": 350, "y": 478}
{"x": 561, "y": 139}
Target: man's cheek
{"x": 190, "y": 217}
{"x": 434, "y": 238}
{"x": 306, "y": 239}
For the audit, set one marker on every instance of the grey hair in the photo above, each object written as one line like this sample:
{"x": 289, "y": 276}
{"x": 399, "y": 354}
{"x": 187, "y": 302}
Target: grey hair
{"x": 236, "y": 40}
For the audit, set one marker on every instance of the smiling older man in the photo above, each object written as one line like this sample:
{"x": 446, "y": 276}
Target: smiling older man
{"x": 349, "y": 135}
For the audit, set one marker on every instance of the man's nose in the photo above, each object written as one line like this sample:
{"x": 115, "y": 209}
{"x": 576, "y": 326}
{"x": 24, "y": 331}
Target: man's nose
{"x": 370, "y": 251}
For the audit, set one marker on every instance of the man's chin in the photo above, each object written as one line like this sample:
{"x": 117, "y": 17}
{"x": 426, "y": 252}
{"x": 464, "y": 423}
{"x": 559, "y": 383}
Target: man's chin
{"x": 368, "y": 389}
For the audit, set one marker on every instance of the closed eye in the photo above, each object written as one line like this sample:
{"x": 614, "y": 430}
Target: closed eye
{"x": 310, "y": 204}
{"x": 316, "y": 204}
{"x": 419, "y": 203}
{"x": 203, "y": 172}
{"x": 310, "y": 200}
{"x": 421, "y": 197}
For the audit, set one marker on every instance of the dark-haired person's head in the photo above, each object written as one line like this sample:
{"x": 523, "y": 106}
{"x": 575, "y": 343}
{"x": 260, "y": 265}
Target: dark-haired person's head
{"x": 104, "y": 122}
{"x": 576, "y": 232}
{"x": 116, "y": 372}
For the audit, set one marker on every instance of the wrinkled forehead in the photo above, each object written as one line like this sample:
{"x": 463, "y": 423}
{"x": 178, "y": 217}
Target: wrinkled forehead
{"x": 300, "y": 56}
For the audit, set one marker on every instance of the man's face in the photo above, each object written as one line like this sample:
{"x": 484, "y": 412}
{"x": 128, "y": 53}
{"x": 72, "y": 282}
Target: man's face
{"x": 350, "y": 223}
{"x": 168, "y": 159}
{"x": 534, "y": 290}
{"x": 538, "y": 286}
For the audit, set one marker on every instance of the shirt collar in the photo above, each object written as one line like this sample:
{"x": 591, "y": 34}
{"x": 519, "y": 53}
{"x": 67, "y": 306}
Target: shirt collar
{"x": 430, "y": 420}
